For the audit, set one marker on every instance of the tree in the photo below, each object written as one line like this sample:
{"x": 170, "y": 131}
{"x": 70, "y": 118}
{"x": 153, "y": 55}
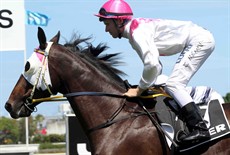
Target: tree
{"x": 22, "y": 130}
{"x": 32, "y": 123}
{"x": 10, "y": 130}
{"x": 227, "y": 98}
{"x": 14, "y": 130}
{"x": 39, "y": 119}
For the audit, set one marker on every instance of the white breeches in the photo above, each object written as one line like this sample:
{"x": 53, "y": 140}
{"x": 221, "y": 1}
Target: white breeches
{"x": 188, "y": 63}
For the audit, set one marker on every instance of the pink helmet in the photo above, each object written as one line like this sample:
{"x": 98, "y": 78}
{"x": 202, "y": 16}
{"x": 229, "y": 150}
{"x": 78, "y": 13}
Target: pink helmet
{"x": 115, "y": 9}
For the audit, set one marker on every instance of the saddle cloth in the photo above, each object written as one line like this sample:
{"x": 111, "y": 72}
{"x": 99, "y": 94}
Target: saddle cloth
{"x": 212, "y": 112}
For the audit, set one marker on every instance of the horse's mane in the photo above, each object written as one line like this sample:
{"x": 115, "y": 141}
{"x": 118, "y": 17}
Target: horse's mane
{"x": 104, "y": 62}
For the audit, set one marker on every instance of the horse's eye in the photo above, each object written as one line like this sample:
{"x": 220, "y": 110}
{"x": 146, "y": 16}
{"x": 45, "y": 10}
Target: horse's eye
{"x": 27, "y": 66}
{"x": 30, "y": 68}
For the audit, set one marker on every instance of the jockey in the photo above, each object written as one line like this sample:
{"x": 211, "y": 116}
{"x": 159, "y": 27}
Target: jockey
{"x": 152, "y": 38}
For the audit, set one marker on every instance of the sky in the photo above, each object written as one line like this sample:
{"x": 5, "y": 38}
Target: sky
{"x": 70, "y": 16}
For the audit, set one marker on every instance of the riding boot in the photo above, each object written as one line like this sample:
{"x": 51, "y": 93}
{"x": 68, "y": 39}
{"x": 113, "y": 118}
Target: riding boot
{"x": 195, "y": 123}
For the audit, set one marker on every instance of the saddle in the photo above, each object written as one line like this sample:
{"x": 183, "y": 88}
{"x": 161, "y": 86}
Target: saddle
{"x": 168, "y": 116}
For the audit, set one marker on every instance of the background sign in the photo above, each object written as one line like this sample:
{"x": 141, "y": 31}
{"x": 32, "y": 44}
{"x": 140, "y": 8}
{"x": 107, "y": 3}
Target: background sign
{"x": 12, "y": 25}
{"x": 76, "y": 141}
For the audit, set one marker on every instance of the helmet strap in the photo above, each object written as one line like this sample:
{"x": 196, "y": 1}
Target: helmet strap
{"x": 120, "y": 26}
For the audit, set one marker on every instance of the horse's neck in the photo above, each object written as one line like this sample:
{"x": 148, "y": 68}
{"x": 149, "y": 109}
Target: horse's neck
{"x": 95, "y": 110}
{"x": 83, "y": 77}
{"x": 77, "y": 74}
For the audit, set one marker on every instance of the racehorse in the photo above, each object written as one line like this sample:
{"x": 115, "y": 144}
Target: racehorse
{"x": 110, "y": 121}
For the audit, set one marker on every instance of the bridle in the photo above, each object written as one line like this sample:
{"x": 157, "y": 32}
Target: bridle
{"x": 41, "y": 75}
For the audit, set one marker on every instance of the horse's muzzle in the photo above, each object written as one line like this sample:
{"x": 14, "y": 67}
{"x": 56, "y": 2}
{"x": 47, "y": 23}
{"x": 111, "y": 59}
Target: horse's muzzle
{"x": 21, "y": 112}
{"x": 9, "y": 108}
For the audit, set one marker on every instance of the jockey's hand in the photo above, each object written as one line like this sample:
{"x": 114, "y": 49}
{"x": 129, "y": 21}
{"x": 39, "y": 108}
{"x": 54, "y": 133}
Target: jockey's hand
{"x": 134, "y": 92}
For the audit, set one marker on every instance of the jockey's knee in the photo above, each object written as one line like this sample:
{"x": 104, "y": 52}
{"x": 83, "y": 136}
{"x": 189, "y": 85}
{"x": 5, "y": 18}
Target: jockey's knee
{"x": 171, "y": 86}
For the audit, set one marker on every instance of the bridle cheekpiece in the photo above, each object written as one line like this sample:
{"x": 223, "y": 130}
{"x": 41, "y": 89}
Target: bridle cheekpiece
{"x": 40, "y": 76}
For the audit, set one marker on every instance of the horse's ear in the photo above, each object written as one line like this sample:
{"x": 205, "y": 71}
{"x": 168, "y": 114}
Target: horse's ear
{"x": 56, "y": 38}
{"x": 41, "y": 38}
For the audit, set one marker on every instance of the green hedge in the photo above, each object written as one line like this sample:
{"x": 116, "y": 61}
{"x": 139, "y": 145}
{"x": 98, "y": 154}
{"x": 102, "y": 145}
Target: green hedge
{"x": 52, "y": 138}
{"x": 51, "y": 146}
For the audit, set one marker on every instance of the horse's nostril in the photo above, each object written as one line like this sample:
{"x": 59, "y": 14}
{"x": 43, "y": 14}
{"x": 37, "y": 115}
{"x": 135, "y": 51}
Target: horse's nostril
{"x": 8, "y": 107}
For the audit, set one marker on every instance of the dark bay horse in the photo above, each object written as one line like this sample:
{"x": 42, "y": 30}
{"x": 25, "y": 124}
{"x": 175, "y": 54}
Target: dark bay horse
{"x": 127, "y": 133}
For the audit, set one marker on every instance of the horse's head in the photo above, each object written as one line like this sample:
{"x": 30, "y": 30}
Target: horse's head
{"x": 34, "y": 82}
{"x": 56, "y": 68}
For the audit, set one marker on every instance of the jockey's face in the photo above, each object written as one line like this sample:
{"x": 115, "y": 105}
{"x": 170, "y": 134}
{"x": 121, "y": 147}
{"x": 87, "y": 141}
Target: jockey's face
{"x": 111, "y": 27}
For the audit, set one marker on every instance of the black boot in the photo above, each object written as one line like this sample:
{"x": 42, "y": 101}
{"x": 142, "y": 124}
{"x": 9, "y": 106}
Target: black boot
{"x": 196, "y": 125}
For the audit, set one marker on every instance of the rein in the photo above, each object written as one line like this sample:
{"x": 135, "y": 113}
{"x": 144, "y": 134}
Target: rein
{"x": 77, "y": 94}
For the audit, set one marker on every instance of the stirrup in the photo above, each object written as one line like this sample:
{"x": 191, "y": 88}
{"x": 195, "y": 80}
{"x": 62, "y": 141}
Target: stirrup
{"x": 197, "y": 136}
{"x": 180, "y": 135}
